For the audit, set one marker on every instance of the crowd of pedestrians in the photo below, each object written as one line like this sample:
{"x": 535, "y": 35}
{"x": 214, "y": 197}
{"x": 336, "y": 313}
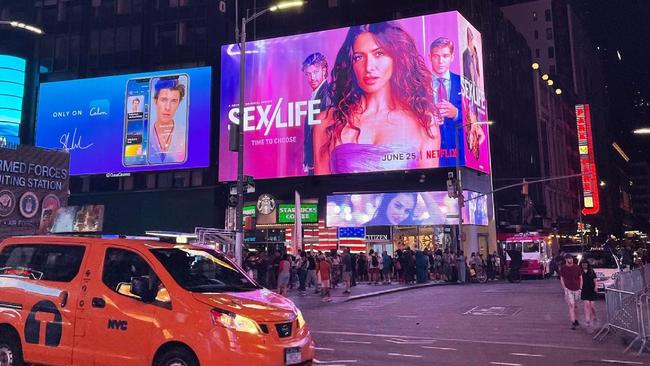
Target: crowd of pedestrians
{"x": 321, "y": 271}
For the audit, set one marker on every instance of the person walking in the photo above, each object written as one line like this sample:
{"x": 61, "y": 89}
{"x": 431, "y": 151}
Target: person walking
{"x": 303, "y": 266}
{"x": 346, "y": 262}
{"x": 284, "y": 274}
{"x": 324, "y": 270}
{"x": 387, "y": 268}
{"x": 461, "y": 265}
{"x": 311, "y": 272}
{"x": 588, "y": 293}
{"x": 420, "y": 266}
{"x": 571, "y": 280}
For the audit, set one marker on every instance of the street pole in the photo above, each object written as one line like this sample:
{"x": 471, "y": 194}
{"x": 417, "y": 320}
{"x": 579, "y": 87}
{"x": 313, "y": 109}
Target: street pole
{"x": 239, "y": 227}
{"x": 459, "y": 189}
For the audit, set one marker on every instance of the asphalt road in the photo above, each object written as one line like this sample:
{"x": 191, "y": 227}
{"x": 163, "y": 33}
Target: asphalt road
{"x": 492, "y": 324}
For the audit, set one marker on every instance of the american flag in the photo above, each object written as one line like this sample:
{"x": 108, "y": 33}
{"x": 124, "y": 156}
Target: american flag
{"x": 353, "y": 238}
{"x": 321, "y": 238}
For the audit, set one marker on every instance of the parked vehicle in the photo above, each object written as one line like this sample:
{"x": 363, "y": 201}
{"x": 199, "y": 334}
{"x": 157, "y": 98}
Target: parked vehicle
{"x": 535, "y": 251}
{"x": 95, "y": 301}
{"x": 605, "y": 264}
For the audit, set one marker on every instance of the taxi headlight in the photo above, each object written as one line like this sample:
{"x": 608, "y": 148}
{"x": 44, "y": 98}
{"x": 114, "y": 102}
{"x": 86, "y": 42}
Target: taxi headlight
{"x": 233, "y": 321}
{"x": 301, "y": 320}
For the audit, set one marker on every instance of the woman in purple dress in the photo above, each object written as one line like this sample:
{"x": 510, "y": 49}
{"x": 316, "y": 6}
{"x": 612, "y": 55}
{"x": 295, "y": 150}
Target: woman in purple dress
{"x": 382, "y": 115}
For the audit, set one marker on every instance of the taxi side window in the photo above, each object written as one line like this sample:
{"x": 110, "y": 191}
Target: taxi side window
{"x": 121, "y": 266}
{"x": 58, "y": 263}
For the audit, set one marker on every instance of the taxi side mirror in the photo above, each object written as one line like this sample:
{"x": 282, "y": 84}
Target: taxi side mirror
{"x": 141, "y": 286}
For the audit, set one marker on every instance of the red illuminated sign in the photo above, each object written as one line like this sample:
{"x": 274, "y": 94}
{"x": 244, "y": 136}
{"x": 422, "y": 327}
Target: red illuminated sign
{"x": 590, "y": 202}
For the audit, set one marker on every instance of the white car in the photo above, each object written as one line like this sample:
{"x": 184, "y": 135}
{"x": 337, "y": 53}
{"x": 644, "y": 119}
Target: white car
{"x": 605, "y": 264}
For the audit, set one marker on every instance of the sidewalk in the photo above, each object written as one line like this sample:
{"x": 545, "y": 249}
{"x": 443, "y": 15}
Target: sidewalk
{"x": 360, "y": 291}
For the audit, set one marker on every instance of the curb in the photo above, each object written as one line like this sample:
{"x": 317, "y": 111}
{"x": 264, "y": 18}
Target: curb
{"x": 404, "y": 288}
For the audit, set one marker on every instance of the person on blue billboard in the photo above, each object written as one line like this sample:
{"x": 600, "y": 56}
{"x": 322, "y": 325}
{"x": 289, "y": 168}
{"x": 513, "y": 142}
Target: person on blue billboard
{"x": 446, "y": 95}
{"x": 168, "y": 133}
{"x": 315, "y": 69}
{"x": 382, "y": 115}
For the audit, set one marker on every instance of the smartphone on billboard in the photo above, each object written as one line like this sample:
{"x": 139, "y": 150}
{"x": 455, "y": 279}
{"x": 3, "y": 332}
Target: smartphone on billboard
{"x": 136, "y": 122}
{"x": 170, "y": 101}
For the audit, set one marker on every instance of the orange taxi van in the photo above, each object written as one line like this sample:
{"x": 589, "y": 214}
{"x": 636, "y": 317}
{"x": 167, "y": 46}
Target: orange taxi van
{"x": 67, "y": 300}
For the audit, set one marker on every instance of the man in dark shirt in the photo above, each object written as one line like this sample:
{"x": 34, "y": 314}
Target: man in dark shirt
{"x": 571, "y": 280}
{"x": 347, "y": 269}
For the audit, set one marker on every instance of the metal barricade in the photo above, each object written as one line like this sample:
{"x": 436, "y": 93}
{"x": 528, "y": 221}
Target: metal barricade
{"x": 628, "y": 308}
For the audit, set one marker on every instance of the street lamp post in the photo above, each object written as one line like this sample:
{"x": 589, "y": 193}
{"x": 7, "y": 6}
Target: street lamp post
{"x": 459, "y": 182}
{"x": 239, "y": 129}
{"x": 20, "y": 25}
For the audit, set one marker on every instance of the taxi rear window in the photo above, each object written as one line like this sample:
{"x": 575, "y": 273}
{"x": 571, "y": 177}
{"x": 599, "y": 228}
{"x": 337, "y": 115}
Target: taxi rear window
{"x": 42, "y": 261}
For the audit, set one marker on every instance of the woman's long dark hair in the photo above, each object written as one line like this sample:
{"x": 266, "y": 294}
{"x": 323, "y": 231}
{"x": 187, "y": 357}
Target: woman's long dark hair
{"x": 411, "y": 83}
{"x": 380, "y": 218}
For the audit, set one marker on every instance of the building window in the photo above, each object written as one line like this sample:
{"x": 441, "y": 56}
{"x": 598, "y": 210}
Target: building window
{"x": 537, "y": 52}
{"x": 151, "y": 181}
{"x": 547, "y": 15}
{"x": 181, "y": 179}
{"x": 534, "y": 16}
{"x": 551, "y": 52}
{"x": 197, "y": 178}
{"x": 549, "y": 33}
{"x": 536, "y": 34}
{"x": 165, "y": 180}
{"x": 552, "y": 70}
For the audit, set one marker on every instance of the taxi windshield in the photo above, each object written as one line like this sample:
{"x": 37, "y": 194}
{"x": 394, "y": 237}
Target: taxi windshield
{"x": 203, "y": 270}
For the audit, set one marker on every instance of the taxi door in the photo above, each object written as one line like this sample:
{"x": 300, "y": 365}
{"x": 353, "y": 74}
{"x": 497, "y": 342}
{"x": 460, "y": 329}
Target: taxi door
{"x": 118, "y": 325}
{"x": 49, "y": 297}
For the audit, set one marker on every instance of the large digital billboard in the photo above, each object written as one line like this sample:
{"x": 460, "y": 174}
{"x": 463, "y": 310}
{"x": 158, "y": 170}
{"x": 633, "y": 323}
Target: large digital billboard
{"x": 375, "y": 97}
{"x": 12, "y": 90}
{"x": 404, "y": 208}
{"x": 590, "y": 201}
{"x": 127, "y": 123}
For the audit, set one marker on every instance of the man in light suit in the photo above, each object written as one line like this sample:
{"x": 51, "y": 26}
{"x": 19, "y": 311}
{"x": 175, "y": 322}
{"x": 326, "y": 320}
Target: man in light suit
{"x": 315, "y": 70}
{"x": 447, "y": 97}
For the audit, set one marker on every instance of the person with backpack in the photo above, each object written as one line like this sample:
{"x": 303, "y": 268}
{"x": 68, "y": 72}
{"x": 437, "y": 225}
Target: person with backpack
{"x": 302, "y": 265}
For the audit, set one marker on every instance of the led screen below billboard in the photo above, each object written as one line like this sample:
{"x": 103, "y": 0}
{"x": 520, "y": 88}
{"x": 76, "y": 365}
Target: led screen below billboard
{"x": 377, "y": 97}
{"x": 127, "y": 123}
{"x": 404, "y": 208}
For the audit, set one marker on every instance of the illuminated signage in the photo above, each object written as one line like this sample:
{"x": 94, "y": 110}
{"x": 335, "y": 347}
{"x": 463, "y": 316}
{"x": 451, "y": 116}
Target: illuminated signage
{"x": 591, "y": 203}
{"x": 12, "y": 89}
{"x": 127, "y": 123}
{"x": 305, "y": 93}
{"x": 287, "y": 213}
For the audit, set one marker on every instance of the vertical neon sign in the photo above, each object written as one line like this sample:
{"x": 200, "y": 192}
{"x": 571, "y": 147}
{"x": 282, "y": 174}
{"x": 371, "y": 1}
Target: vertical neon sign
{"x": 590, "y": 201}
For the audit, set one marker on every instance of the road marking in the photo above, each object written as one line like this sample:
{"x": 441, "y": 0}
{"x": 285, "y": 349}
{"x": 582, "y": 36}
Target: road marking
{"x": 440, "y": 348}
{"x": 411, "y": 341}
{"x": 331, "y": 363}
{"x": 355, "y": 342}
{"x": 403, "y": 355}
{"x": 323, "y": 349}
{"x": 623, "y": 362}
{"x": 407, "y": 316}
{"x": 503, "y": 343}
{"x": 505, "y": 364}
{"x": 526, "y": 355}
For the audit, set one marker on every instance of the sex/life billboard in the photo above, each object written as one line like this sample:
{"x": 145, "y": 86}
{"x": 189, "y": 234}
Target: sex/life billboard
{"x": 404, "y": 208}
{"x": 127, "y": 123}
{"x": 591, "y": 201}
{"x": 33, "y": 183}
{"x": 376, "y": 97}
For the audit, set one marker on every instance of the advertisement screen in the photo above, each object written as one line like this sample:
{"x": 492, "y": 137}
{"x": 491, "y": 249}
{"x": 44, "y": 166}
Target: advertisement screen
{"x": 136, "y": 122}
{"x": 403, "y": 208}
{"x": 375, "y": 97}
{"x": 12, "y": 89}
{"x": 73, "y": 219}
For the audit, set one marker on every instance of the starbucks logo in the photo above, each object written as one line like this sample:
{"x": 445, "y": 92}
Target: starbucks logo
{"x": 28, "y": 205}
{"x": 7, "y": 203}
{"x": 265, "y": 204}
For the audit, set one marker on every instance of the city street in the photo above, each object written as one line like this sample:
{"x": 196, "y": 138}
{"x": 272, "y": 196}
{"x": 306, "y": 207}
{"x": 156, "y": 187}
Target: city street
{"x": 491, "y": 324}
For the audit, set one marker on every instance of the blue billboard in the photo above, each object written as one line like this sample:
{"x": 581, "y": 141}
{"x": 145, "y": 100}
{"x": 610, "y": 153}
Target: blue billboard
{"x": 128, "y": 123}
{"x": 12, "y": 89}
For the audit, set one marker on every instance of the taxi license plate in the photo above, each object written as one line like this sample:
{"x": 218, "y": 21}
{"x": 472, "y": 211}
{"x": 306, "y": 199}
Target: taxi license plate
{"x": 292, "y": 356}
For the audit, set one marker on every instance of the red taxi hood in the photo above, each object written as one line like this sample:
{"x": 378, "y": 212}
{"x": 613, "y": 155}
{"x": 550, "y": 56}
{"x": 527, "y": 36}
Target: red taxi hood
{"x": 260, "y": 305}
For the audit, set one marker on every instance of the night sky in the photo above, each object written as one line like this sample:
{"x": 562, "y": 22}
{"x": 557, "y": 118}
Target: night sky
{"x": 623, "y": 27}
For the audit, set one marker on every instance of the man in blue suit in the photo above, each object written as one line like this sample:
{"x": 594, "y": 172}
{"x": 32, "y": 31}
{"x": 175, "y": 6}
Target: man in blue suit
{"x": 447, "y": 98}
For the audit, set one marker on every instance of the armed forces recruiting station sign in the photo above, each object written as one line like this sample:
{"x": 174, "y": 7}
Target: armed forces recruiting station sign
{"x": 33, "y": 185}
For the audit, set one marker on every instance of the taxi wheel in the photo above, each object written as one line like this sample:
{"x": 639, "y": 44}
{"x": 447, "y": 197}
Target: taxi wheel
{"x": 10, "y": 352}
{"x": 177, "y": 357}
